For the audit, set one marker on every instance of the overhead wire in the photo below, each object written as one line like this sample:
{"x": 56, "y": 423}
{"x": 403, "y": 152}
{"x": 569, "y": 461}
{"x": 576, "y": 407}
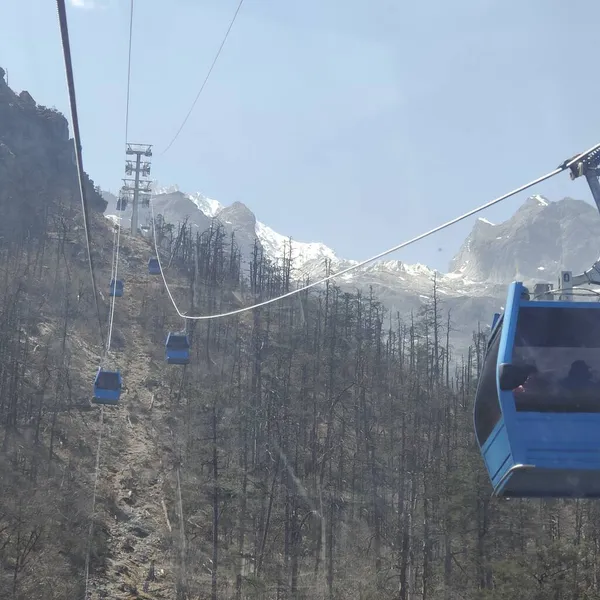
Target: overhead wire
{"x": 210, "y": 70}
{"x": 112, "y": 259}
{"x": 64, "y": 31}
{"x": 94, "y": 496}
{"x": 113, "y": 285}
{"x": 129, "y": 72}
{"x": 564, "y": 166}
{"x": 64, "y": 34}
{"x": 117, "y": 241}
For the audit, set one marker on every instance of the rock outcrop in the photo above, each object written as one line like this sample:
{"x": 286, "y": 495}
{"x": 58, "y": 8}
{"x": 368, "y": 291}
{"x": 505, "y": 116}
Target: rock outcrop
{"x": 37, "y": 161}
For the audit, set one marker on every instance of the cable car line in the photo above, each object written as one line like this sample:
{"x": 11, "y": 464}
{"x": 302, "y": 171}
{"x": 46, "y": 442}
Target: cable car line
{"x": 115, "y": 285}
{"x": 108, "y": 383}
{"x": 128, "y": 73}
{"x": 94, "y": 495}
{"x": 112, "y": 258}
{"x": 104, "y": 393}
{"x": 117, "y": 240}
{"x": 417, "y": 238}
{"x": 64, "y": 30}
{"x": 212, "y": 66}
{"x": 64, "y": 34}
{"x": 114, "y": 294}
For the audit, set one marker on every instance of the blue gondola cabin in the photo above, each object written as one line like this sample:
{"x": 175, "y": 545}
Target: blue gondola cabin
{"x": 116, "y": 287}
{"x": 107, "y": 387}
{"x": 177, "y": 349}
{"x": 537, "y": 406}
{"x": 153, "y": 266}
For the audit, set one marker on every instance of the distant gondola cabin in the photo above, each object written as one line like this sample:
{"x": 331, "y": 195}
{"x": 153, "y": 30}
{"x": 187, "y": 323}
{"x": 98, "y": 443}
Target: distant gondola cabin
{"x": 107, "y": 387}
{"x": 177, "y": 349}
{"x": 116, "y": 287}
{"x": 153, "y": 266}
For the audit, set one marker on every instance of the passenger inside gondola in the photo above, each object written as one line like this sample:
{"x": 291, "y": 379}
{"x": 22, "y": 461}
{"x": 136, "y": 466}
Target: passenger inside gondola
{"x": 534, "y": 390}
{"x": 530, "y": 376}
{"x": 553, "y": 390}
{"x": 579, "y": 377}
{"x": 581, "y": 388}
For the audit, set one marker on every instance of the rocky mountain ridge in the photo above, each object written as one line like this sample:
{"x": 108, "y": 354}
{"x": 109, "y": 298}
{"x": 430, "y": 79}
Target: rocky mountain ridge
{"x": 540, "y": 239}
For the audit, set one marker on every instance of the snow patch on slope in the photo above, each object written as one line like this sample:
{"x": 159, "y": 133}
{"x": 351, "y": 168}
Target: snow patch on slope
{"x": 543, "y": 201}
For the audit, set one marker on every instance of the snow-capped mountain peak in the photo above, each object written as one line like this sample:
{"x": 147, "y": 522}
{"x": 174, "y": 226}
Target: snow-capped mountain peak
{"x": 308, "y": 258}
{"x": 276, "y": 246}
{"x": 538, "y": 240}
{"x": 209, "y": 206}
{"x": 163, "y": 189}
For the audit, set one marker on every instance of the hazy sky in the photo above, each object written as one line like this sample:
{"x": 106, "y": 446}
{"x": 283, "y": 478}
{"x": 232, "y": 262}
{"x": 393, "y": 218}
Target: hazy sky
{"x": 358, "y": 123}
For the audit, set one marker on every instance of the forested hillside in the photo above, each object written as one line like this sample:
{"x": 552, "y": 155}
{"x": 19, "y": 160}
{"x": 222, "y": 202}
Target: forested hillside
{"x": 316, "y": 448}
{"x": 319, "y": 447}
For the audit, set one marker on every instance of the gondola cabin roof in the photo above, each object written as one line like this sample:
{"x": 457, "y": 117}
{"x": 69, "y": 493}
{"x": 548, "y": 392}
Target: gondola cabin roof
{"x": 537, "y": 406}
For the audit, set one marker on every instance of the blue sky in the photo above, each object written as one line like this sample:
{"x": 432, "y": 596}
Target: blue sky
{"x": 358, "y": 123}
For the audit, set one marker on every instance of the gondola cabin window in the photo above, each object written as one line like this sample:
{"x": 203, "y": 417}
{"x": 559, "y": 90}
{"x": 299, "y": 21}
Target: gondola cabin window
{"x": 177, "y": 342}
{"x": 561, "y": 348}
{"x": 487, "y": 404}
{"x": 108, "y": 381}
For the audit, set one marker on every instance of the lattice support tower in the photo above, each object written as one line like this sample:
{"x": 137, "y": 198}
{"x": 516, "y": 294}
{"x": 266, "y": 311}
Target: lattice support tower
{"x": 137, "y": 188}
